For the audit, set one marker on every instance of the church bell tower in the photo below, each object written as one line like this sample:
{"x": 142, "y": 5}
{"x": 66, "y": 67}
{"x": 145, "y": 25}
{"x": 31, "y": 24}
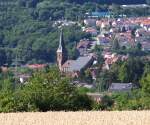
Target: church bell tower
{"x": 61, "y": 52}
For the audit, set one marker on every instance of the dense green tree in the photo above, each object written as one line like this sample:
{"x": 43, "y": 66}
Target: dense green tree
{"x": 98, "y": 50}
{"x": 116, "y": 45}
{"x": 116, "y": 9}
{"x": 106, "y": 103}
{"x": 46, "y": 90}
{"x": 114, "y": 71}
{"x": 103, "y": 81}
{"x": 145, "y": 82}
{"x": 88, "y": 76}
{"x": 131, "y": 71}
{"x": 146, "y": 69}
{"x": 74, "y": 54}
{"x": 124, "y": 75}
{"x": 139, "y": 46}
{"x": 3, "y": 57}
{"x": 121, "y": 101}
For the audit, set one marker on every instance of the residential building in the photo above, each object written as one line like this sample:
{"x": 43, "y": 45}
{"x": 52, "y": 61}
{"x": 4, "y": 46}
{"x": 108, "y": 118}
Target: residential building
{"x": 83, "y": 46}
{"x": 90, "y": 22}
{"x": 121, "y": 87}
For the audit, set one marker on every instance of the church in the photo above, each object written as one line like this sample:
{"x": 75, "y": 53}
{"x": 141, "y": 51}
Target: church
{"x": 72, "y": 68}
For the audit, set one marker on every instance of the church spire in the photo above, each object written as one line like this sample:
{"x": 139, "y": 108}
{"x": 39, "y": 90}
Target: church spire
{"x": 61, "y": 42}
{"x": 61, "y": 51}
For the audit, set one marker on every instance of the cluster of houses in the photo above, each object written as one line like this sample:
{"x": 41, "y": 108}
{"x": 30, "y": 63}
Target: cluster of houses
{"x": 103, "y": 32}
{"x": 128, "y": 31}
{"x": 60, "y": 23}
{"x": 104, "y": 29}
{"x": 86, "y": 60}
{"x": 111, "y": 58}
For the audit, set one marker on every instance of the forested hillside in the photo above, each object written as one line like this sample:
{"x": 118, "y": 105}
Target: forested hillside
{"x": 26, "y": 30}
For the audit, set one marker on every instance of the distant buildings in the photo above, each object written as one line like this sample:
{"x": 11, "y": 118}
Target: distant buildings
{"x": 135, "y": 6}
{"x": 111, "y": 58}
{"x": 98, "y": 14}
{"x": 127, "y": 31}
{"x": 91, "y": 30}
{"x": 90, "y": 22}
{"x": 121, "y": 87}
{"x": 83, "y": 46}
{"x": 60, "y": 23}
{"x": 72, "y": 68}
{"x": 36, "y": 66}
{"x": 75, "y": 67}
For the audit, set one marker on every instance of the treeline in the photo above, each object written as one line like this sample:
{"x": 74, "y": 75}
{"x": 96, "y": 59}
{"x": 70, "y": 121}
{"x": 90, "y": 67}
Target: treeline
{"x": 45, "y": 91}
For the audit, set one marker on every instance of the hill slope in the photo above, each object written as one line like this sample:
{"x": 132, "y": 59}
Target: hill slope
{"x": 26, "y": 26}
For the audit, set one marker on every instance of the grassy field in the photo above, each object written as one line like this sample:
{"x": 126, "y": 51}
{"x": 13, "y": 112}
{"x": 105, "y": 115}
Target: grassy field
{"x": 77, "y": 118}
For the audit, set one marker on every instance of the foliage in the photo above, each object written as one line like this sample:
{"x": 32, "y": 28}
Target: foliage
{"x": 145, "y": 82}
{"x": 116, "y": 45}
{"x": 106, "y": 103}
{"x": 124, "y": 72}
{"x": 28, "y": 32}
{"x": 46, "y": 90}
{"x": 98, "y": 50}
{"x": 84, "y": 90}
{"x": 131, "y": 71}
{"x": 103, "y": 81}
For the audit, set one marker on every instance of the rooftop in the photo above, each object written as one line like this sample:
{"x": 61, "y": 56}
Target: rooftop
{"x": 79, "y": 64}
{"x": 121, "y": 87}
{"x": 100, "y": 14}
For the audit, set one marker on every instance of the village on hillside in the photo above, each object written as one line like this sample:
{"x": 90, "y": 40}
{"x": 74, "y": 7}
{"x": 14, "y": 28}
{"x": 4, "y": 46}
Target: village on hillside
{"x": 110, "y": 38}
{"x": 74, "y": 55}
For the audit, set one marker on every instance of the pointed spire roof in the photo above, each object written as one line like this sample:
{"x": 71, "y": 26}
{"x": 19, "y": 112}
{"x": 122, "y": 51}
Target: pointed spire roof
{"x": 61, "y": 42}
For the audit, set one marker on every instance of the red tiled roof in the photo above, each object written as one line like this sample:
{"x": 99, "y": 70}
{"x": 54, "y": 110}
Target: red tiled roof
{"x": 83, "y": 43}
{"x": 90, "y": 29}
{"x": 36, "y": 66}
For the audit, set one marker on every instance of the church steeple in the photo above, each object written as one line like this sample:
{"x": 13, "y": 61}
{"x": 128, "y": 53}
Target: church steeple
{"x": 61, "y": 51}
{"x": 61, "y": 42}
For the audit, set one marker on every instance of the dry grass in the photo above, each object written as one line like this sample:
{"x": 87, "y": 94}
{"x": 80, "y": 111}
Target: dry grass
{"x": 77, "y": 118}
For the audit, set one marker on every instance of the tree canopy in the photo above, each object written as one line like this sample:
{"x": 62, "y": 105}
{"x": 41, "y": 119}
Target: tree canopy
{"x": 45, "y": 91}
